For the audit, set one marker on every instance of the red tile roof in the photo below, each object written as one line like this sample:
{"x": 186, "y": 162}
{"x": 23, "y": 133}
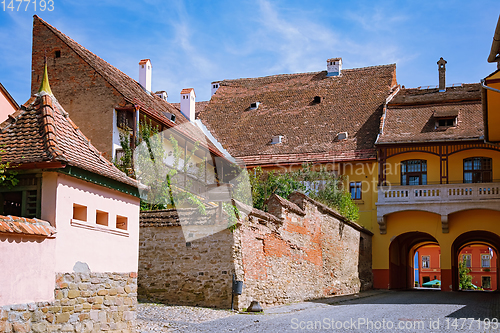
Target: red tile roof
{"x": 187, "y": 91}
{"x": 352, "y": 103}
{"x": 43, "y": 132}
{"x": 152, "y": 105}
{"x": 412, "y": 114}
{"x": 144, "y": 61}
{"x": 21, "y": 225}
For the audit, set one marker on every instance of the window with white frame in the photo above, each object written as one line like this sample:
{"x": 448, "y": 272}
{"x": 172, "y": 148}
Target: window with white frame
{"x": 426, "y": 261}
{"x": 485, "y": 260}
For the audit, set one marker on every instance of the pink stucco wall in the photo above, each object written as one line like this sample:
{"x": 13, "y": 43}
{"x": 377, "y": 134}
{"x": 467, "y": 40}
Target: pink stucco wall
{"x": 27, "y": 269}
{"x": 102, "y": 248}
{"x": 6, "y": 107}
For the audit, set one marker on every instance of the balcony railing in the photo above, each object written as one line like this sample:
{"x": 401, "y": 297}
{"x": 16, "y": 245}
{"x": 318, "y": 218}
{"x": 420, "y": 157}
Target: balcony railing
{"x": 438, "y": 193}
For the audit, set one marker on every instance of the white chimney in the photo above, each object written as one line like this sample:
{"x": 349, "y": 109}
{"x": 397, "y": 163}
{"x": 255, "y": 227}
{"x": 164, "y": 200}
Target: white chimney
{"x": 334, "y": 66}
{"x": 215, "y": 86}
{"x": 188, "y": 102}
{"x": 145, "y": 70}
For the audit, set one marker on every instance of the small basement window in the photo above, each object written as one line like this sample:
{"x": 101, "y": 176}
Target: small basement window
{"x": 101, "y": 217}
{"x": 121, "y": 222}
{"x": 79, "y": 212}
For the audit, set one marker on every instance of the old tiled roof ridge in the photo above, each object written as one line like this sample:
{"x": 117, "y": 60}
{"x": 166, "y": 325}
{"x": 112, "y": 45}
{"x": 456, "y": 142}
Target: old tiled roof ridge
{"x": 288, "y": 107}
{"x": 43, "y": 132}
{"x": 456, "y": 94}
{"x": 116, "y": 78}
{"x": 129, "y": 88}
{"x": 412, "y": 116}
{"x": 26, "y": 226}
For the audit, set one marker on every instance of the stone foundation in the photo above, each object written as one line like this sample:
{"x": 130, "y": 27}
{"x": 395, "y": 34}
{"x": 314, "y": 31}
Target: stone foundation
{"x": 84, "y": 302}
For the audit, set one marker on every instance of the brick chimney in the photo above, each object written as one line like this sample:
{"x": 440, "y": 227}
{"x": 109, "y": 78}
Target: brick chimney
{"x": 145, "y": 71}
{"x": 188, "y": 103}
{"x": 334, "y": 66}
{"x": 442, "y": 74}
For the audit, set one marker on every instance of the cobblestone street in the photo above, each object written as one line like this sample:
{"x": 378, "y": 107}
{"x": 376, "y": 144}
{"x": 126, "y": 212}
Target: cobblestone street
{"x": 372, "y": 311}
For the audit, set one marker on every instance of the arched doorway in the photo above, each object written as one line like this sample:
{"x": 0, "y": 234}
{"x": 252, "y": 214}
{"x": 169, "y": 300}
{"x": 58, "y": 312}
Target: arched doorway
{"x": 427, "y": 265}
{"x": 401, "y": 256}
{"x": 481, "y": 237}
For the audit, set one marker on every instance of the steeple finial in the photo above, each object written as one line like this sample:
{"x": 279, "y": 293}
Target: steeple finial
{"x": 45, "y": 86}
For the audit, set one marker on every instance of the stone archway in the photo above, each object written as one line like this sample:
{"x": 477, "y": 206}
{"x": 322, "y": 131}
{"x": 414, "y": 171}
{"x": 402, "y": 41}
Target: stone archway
{"x": 401, "y": 252}
{"x": 476, "y": 236}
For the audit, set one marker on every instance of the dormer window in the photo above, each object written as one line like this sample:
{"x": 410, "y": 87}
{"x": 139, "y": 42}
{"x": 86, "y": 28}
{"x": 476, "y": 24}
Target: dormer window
{"x": 317, "y": 99}
{"x": 445, "y": 118}
{"x": 254, "y": 106}
{"x": 447, "y": 122}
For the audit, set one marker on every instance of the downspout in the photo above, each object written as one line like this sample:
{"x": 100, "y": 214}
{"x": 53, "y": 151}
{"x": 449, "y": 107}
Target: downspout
{"x": 483, "y": 84}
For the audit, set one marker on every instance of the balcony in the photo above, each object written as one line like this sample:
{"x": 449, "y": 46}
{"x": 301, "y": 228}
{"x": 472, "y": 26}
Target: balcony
{"x": 442, "y": 199}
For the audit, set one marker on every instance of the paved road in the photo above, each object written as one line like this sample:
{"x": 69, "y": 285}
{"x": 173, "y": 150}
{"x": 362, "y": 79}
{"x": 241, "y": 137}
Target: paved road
{"x": 387, "y": 311}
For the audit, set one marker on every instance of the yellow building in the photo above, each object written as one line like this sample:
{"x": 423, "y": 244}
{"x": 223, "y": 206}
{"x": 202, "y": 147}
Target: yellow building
{"x": 437, "y": 182}
{"x": 491, "y": 93}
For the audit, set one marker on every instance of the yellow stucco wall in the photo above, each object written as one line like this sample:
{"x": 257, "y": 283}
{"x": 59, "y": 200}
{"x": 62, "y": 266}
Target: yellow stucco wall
{"x": 493, "y": 99}
{"x": 365, "y": 172}
{"x": 459, "y": 223}
{"x": 393, "y": 168}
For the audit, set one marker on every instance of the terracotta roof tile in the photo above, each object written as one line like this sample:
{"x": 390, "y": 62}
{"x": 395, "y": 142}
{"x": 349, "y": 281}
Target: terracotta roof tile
{"x": 43, "y": 132}
{"x": 412, "y": 114}
{"x": 352, "y": 103}
{"x": 24, "y": 226}
{"x": 152, "y": 105}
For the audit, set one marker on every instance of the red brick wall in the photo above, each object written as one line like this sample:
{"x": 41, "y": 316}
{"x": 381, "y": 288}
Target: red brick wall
{"x": 299, "y": 252}
{"x": 83, "y": 93}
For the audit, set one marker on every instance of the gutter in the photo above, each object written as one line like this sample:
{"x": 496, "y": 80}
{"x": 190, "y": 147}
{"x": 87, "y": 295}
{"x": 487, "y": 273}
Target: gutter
{"x": 483, "y": 84}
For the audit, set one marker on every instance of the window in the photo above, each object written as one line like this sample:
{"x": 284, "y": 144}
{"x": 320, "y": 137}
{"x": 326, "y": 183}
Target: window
{"x": 121, "y": 222}
{"x": 486, "y": 282}
{"x": 426, "y": 261}
{"x": 414, "y": 172}
{"x": 57, "y": 54}
{"x": 447, "y": 122}
{"x": 79, "y": 212}
{"x": 101, "y": 218}
{"x": 24, "y": 199}
{"x": 477, "y": 170}
{"x": 125, "y": 120}
{"x": 355, "y": 190}
{"x": 426, "y": 279}
{"x": 468, "y": 260}
{"x": 485, "y": 260}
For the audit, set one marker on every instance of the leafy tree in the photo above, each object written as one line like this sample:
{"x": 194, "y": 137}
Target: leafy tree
{"x": 327, "y": 188}
{"x": 465, "y": 277}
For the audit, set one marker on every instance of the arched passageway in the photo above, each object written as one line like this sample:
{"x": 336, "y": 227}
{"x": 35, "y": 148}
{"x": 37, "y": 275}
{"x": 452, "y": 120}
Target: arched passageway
{"x": 473, "y": 237}
{"x": 401, "y": 254}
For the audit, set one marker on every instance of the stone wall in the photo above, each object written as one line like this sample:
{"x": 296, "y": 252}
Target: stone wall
{"x": 84, "y": 302}
{"x": 171, "y": 270}
{"x": 300, "y": 250}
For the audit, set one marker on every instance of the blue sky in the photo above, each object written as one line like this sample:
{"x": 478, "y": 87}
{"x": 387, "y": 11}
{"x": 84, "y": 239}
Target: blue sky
{"x": 192, "y": 43}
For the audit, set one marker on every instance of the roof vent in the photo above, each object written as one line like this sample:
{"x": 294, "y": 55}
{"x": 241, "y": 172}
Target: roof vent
{"x": 254, "y": 106}
{"x": 162, "y": 94}
{"x": 277, "y": 139}
{"x": 317, "y": 99}
{"x": 215, "y": 87}
{"x": 342, "y": 136}
{"x": 334, "y": 66}
{"x": 170, "y": 116}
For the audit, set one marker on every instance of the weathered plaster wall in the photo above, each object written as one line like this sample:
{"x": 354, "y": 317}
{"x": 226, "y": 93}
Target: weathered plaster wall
{"x": 299, "y": 250}
{"x": 27, "y": 269}
{"x": 102, "y": 248}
